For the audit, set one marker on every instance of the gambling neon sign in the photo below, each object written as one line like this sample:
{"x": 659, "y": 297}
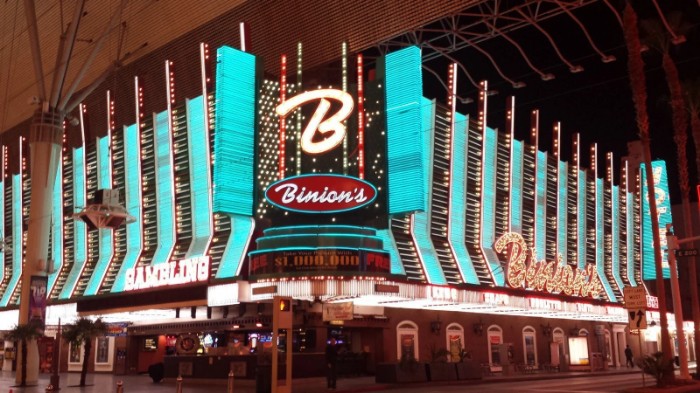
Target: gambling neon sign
{"x": 552, "y": 277}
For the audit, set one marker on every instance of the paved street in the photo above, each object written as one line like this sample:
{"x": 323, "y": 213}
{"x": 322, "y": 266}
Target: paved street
{"x": 581, "y": 382}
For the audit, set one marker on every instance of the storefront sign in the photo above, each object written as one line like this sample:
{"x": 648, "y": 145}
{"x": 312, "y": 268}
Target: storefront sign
{"x": 337, "y": 311}
{"x": 552, "y": 277}
{"x": 37, "y": 300}
{"x": 317, "y": 261}
{"x": 324, "y": 193}
{"x": 185, "y": 271}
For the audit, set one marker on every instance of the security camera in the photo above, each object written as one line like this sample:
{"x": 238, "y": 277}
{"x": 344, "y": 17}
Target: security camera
{"x": 33, "y": 100}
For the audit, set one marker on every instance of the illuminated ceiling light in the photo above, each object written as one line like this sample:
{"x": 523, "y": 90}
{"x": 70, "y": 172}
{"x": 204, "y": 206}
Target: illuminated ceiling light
{"x": 547, "y": 77}
{"x": 576, "y": 69}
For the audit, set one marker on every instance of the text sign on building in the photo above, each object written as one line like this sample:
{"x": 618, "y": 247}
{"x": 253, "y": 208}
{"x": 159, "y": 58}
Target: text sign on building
{"x": 635, "y": 297}
{"x": 305, "y": 262}
{"x": 185, "y": 271}
{"x": 338, "y": 311}
{"x": 324, "y": 193}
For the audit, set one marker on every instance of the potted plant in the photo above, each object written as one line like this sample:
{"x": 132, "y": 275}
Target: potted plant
{"x": 466, "y": 367}
{"x": 656, "y": 366}
{"x": 438, "y": 368}
{"x": 407, "y": 369}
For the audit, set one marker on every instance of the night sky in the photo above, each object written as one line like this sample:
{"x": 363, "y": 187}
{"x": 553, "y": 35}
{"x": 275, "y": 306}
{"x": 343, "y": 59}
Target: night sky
{"x": 597, "y": 102}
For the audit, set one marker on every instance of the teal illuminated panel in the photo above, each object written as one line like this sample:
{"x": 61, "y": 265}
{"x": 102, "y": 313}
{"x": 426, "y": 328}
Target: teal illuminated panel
{"x": 663, "y": 206}
{"x": 79, "y": 227}
{"x": 581, "y": 220}
{"x": 57, "y": 228}
{"x": 2, "y": 227}
{"x": 165, "y": 190}
{"x": 17, "y": 250}
{"x": 541, "y": 205}
{"x": 488, "y": 205}
{"x": 426, "y": 250}
{"x": 408, "y": 165}
{"x": 234, "y": 138}
{"x": 390, "y": 247}
{"x": 562, "y": 222}
{"x": 458, "y": 197}
{"x": 616, "y": 236}
{"x": 600, "y": 239}
{"x": 132, "y": 199}
{"x": 629, "y": 206}
{"x": 516, "y": 187}
{"x": 235, "y": 253}
{"x": 104, "y": 180}
{"x": 200, "y": 178}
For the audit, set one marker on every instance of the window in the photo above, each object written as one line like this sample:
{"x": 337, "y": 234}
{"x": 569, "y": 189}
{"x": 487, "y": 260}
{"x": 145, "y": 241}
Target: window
{"x": 407, "y": 340}
{"x": 455, "y": 341}
{"x": 495, "y": 339}
{"x": 75, "y": 353}
{"x": 102, "y": 350}
{"x": 530, "y": 345}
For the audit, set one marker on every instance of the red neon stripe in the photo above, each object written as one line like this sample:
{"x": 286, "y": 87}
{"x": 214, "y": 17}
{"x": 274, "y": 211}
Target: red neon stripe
{"x": 360, "y": 119}
{"x": 283, "y": 126}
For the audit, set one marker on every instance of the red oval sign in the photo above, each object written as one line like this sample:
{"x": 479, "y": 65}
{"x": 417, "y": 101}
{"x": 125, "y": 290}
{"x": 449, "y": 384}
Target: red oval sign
{"x": 320, "y": 193}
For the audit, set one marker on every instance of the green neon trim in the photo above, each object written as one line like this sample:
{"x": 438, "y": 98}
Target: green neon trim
{"x": 132, "y": 196}
{"x": 200, "y": 178}
{"x": 17, "y": 250}
{"x": 390, "y": 247}
{"x": 581, "y": 219}
{"x": 458, "y": 196}
{"x": 235, "y": 252}
{"x": 79, "y": 227}
{"x": 56, "y": 228}
{"x": 562, "y": 221}
{"x": 106, "y": 237}
{"x": 541, "y": 205}
{"x": 600, "y": 239}
{"x": 516, "y": 186}
{"x": 234, "y": 138}
{"x": 407, "y": 164}
{"x": 629, "y": 208}
{"x": 165, "y": 190}
{"x": 488, "y": 206}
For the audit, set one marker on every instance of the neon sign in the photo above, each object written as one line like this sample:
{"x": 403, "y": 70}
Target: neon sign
{"x": 320, "y": 193}
{"x": 334, "y": 124}
{"x": 552, "y": 277}
{"x": 185, "y": 271}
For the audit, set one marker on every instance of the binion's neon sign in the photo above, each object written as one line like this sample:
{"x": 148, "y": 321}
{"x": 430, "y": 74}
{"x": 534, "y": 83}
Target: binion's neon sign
{"x": 552, "y": 277}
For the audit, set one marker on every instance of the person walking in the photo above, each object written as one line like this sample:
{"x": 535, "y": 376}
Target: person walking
{"x": 628, "y": 355}
{"x": 331, "y": 363}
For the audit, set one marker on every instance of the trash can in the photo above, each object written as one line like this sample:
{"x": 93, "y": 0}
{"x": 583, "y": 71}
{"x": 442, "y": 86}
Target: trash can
{"x": 263, "y": 378}
{"x": 156, "y": 372}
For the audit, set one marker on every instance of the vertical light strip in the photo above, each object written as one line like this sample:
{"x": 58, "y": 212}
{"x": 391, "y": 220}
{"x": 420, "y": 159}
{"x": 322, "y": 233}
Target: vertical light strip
{"x": 17, "y": 231}
{"x": 629, "y": 223}
{"x": 243, "y": 31}
{"x": 456, "y": 177}
{"x": 663, "y": 202}
{"x": 234, "y": 255}
{"x": 344, "y": 65}
{"x": 133, "y": 191}
{"x": 516, "y": 185}
{"x": 510, "y": 131}
{"x": 204, "y": 62}
{"x": 200, "y": 179}
{"x": 79, "y": 227}
{"x": 562, "y": 213}
{"x": 360, "y": 119}
{"x": 298, "y": 114}
{"x": 420, "y": 234}
{"x": 541, "y": 204}
{"x": 57, "y": 235}
{"x": 581, "y": 219}
{"x": 408, "y": 162}
{"x": 390, "y": 247}
{"x": 283, "y": 120}
{"x": 561, "y": 192}
{"x": 600, "y": 226}
{"x": 165, "y": 190}
{"x": 106, "y": 236}
{"x": 3, "y": 183}
{"x": 616, "y": 236}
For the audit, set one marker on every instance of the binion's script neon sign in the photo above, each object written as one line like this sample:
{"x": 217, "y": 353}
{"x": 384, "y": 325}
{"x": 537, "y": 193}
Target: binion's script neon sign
{"x": 552, "y": 277}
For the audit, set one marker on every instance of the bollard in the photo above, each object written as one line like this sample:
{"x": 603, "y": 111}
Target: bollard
{"x": 178, "y": 384}
{"x": 120, "y": 387}
{"x": 48, "y": 388}
{"x": 229, "y": 389}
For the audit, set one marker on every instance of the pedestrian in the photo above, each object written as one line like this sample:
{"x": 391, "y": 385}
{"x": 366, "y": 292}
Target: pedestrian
{"x": 331, "y": 362}
{"x": 628, "y": 355}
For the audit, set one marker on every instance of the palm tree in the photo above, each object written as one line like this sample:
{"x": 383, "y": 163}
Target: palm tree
{"x": 84, "y": 331}
{"x": 25, "y": 333}
{"x": 658, "y": 38}
{"x": 691, "y": 94}
{"x": 635, "y": 65}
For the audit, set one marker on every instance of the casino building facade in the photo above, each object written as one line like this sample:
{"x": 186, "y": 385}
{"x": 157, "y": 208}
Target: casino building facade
{"x": 399, "y": 226}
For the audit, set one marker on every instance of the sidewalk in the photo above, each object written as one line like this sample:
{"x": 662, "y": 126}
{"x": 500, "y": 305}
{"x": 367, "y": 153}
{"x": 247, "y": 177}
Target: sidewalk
{"x": 106, "y": 383}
